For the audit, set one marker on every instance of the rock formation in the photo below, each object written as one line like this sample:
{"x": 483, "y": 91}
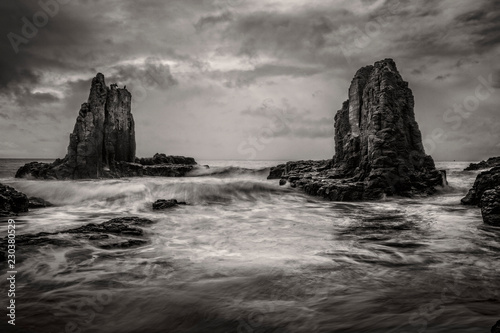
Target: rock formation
{"x": 486, "y": 180}
{"x": 164, "y": 204}
{"x": 490, "y": 206}
{"x": 122, "y": 232}
{"x": 378, "y": 145}
{"x": 102, "y": 144}
{"x": 12, "y": 202}
{"x": 485, "y": 193}
{"x": 490, "y": 163}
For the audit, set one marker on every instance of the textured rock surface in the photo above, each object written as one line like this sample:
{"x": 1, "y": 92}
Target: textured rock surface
{"x": 164, "y": 159}
{"x": 485, "y": 193}
{"x": 490, "y": 206}
{"x": 122, "y": 232}
{"x": 378, "y": 145}
{"x": 486, "y": 180}
{"x": 490, "y": 163}
{"x": 164, "y": 204}
{"x": 12, "y": 202}
{"x": 102, "y": 144}
{"x": 496, "y": 328}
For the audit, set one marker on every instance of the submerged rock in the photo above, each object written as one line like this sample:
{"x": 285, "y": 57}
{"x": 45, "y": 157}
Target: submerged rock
{"x": 378, "y": 145}
{"x": 164, "y": 204}
{"x": 112, "y": 234}
{"x": 12, "y": 202}
{"x": 490, "y": 163}
{"x": 35, "y": 202}
{"x": 103, "y": 145}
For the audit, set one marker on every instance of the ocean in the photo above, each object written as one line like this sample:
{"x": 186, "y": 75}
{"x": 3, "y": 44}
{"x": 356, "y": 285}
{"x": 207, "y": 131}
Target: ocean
{"x": 247, "y": 255}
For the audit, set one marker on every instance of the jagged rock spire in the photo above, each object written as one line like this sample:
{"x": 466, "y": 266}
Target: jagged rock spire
{"x": 104, "y": 131}
{"x": 376, "y": 136}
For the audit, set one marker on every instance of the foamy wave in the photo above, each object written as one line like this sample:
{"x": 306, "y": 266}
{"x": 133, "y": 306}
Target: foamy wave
{"x": 137, "y": 191}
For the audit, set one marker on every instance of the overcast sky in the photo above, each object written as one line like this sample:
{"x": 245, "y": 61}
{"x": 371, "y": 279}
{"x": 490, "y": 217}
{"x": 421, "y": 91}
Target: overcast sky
{"x": 246, "y": 79}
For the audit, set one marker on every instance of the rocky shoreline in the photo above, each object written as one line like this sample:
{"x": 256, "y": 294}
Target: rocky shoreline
{"x": 378, "y": 145}
{"x": 491, "y": 162}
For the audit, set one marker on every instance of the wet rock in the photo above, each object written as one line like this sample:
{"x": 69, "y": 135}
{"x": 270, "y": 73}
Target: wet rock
{"x": 107, "y": 235}
{"x": 164, "y": 204}
{"x": 121, "y": 225}
{"x": 378, "y": 145}
{"x": 124, "y": 169}
{"x": 12, "y": 202}
{"x": 490, "y": 206}
{"x": 164, "y": 159}
{"x": 35, "y": 202}
{"x": 486, "y": 180}
{"x": 490, "y": 163}
{"x": 496, "y": 328}
{"x": 276, "y": 172}
{"x": 124, "y": 245}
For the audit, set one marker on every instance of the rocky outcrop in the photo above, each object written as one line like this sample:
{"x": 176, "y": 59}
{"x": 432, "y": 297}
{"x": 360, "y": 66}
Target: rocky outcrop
{"x": 378, "y": 145}
{"x": 486, "y": 180}
{"x": 12, "y": 202}
{"x": 295, "y": 168}
{"x": 164, "y": 159}
{"x": 122, "y": 232}
{"x": 164, "y": 204}
{"x": 490, "y": 206}
{"x": 102, "y": 144}
{"x": 490, "y": 163}
{"x": 485, "y": 193}
{"x": 496, "y": 328}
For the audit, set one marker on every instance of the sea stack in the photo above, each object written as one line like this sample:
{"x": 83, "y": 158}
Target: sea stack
{"x": 102, "y": 144}
{"x": 104, "y": 131}
{"x": 378, "y": 145}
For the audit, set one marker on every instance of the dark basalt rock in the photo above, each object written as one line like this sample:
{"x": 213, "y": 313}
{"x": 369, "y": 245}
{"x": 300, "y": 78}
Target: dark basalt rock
{"x": 102, "y": 144}
{"x": 35, "y": 202}
{"x": 164, "y": 159}
{"x": 107, "y": 235}
{"x": 490, "y": 206}
{"x": 496, "y": 328}
{"x": 12, "y": 202}
{"x": 378, "y": 145}
{"x": 121, "y": 225}
{"x": 485, "y": 193}
{"x": 164, "y": 204}
{"x": 124, "y": 245}
{"x": 486, "y": 180}
{"x": 490, "y": 163}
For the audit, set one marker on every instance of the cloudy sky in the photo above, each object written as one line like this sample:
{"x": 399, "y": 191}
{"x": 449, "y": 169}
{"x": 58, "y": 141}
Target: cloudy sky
{"x": 241, "y": 79}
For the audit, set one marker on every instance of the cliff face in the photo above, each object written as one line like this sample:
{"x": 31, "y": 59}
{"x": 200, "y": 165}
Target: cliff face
{"x": 102, "y": 144}
{"x": 378, "y": 145}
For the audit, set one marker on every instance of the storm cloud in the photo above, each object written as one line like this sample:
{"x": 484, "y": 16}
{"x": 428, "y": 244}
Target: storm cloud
{"x": 200, "y": 72}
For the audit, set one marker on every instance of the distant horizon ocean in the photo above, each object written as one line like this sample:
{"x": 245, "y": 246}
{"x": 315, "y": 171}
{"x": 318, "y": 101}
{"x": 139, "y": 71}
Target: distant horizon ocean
{"x": 248, "y": 255}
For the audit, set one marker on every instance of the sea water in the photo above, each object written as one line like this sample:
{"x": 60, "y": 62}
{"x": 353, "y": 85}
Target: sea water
{"x": 248, "y": 255}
